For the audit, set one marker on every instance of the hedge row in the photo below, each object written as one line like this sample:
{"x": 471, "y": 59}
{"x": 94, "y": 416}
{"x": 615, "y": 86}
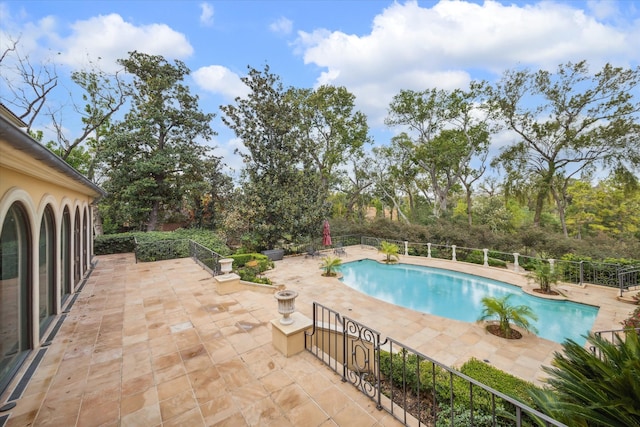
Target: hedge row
{"x": 402, "y": 370}
{"x": 125, "y": 242}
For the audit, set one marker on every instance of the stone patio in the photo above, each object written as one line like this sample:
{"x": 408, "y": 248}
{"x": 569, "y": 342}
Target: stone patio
{"x": 154, "y": 344}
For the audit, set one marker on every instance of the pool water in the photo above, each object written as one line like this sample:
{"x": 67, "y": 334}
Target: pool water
{"x": 458, "y": 296}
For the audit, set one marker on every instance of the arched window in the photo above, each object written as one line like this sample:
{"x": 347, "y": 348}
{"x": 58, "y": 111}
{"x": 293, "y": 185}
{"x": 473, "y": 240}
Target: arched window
{"x": 46, "y": 269}
{"x": 15, "y": 283}
{"x": 77, "y": 243}
{"x": 65, "y": 256}
{"x": 85, "y": 242}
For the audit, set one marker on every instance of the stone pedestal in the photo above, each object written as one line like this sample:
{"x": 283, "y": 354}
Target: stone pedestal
{"x": 289, "y": 339}
{"x": 227, "y": 283}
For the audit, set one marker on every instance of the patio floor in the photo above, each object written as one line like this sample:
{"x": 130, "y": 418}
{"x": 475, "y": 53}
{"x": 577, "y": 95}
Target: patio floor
{"x": 153, "y": 344}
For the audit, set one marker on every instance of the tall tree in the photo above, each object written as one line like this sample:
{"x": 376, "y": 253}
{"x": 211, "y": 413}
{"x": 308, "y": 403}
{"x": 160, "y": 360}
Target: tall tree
{"x": 284, "y": 194}
{"x": 354, "y": 185}
{"x": 296, "y": 141}
{"x": 390, "y": 180}
{"x": 568, "y": 123}
{"x": 332, "y": 131}
{"x": 433, "y": 121}
{"x": 154, "y": 150}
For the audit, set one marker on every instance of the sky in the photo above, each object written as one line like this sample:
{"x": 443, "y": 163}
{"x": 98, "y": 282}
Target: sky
{"x": 374, "y": 48}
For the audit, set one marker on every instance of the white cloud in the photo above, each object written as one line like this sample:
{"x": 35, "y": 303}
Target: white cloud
{"x": 422, "y": 47}
{"x": 603, "y": 9}
{"x": 220, "y": 80}
{"x": 282, "y": 26}
{"x": 109, "y": 37}
{"x": 233, "y": 161}
{"x": 206, "y": 17}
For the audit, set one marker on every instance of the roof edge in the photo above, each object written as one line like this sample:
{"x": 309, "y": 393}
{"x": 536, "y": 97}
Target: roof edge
{"x": 22, "y": 141}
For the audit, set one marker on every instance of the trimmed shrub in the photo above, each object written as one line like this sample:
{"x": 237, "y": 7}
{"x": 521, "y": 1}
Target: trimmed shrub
{"x": 250, "y": 266}
{"x": 402, "y": 370}
{"x": 124, "y": 242}
{"x": 114, "y": 244}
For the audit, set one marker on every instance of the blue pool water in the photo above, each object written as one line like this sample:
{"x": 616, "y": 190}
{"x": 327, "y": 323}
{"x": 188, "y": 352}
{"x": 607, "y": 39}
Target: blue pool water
{"x": 458, "y": 296}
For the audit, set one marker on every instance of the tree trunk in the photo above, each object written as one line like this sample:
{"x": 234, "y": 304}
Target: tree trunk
{"x": 560, "y": 205}
{"x": 469, "y": 219}
{"x": 97, "y": 222}
{"x": 539, "y": 205}
{"x": 153, "y": 216}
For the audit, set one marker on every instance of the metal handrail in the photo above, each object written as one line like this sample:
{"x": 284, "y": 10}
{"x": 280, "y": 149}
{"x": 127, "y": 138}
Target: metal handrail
{"x": 172, "y": 249}
{"x": 353, "y": 351}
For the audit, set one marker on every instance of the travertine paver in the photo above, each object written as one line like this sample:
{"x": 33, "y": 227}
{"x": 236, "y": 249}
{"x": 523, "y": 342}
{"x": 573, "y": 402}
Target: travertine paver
{"x": 153, "y": 344}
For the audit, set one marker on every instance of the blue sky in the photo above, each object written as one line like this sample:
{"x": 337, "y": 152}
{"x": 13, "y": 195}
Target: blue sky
{"x": 374, "y": 48}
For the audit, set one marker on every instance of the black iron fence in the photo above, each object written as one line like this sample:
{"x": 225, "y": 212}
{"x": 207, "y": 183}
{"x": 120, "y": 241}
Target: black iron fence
{"x": 409, "y": 385}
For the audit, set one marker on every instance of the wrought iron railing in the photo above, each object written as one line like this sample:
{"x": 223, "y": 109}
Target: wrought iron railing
{"x": 615, "y": 336}
{"x": 412, "y": 387}
{"x": 179, "y": 248}
{"x": 629, "y": 278}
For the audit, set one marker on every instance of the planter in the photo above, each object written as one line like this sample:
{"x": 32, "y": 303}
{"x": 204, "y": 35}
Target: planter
{"x": 226, "y": 265}
{"x": 286, "y": 305}
{"x": 274, "y": 254}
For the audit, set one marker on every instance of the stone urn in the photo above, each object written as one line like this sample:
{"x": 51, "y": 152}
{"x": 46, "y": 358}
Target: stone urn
{"x": 226, "y": 265}
{"x": 286, "y": 305}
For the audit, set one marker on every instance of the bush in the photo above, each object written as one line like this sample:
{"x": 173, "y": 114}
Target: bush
{"x": 501, "y": 381}
{"x": 633, "y": 321}
{"x": 114, "y": 244}
{"x": 124, "y": 242}
{"x": 250, "y": 266}
{"x": 402, "y": 370}
{"x": 263, "y": 262}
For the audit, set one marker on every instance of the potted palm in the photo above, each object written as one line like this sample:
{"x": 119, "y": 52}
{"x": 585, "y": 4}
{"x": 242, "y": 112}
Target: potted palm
{"x": 506, "y": 314}
{"x": 390, "y": 251}
{"x": 329, "y": 265}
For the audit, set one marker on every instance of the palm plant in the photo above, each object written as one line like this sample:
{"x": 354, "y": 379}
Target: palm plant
{"x": 390, "y": 250}
{"x": 598, "y": 386}
{"x": 544, "y": 274}
{"x": 330, "y": 264}
{"x": 507, "y": 314}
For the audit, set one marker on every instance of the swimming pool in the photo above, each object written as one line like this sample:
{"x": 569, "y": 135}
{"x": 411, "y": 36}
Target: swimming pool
{"x": 458, "y": 296}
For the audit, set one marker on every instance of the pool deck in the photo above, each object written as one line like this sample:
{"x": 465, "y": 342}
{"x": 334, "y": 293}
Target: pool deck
{"x": 154, "y": 344}
{"x": 448, "y": 341}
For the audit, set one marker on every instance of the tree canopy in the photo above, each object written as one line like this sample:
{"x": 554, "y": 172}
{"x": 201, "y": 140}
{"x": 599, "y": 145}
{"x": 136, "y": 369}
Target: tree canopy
{"x": 153, "y": 154}
{"x": 294, "y": 140}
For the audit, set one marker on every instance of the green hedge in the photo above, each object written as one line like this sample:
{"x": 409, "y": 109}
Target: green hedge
{"x": 401, "y": 369}
{"x": 124, "y": 242}
{"x": 114, "y": 244}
